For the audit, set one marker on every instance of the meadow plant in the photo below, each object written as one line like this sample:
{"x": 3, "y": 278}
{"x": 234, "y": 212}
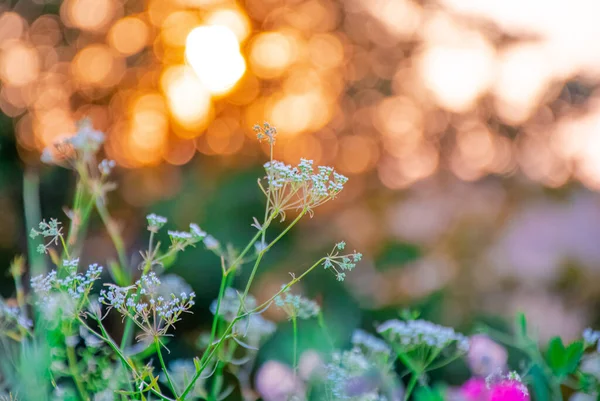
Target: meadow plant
{"x": 55, "y": 343}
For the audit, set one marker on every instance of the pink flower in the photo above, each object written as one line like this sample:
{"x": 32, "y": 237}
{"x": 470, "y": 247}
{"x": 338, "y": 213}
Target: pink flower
{"x": 485, "y": 356}
{"x": 509, "y": 390}
{"x": 474, "y": 389}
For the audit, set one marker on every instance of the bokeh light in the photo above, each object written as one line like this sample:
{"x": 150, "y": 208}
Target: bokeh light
{"x": 214, "y": 54}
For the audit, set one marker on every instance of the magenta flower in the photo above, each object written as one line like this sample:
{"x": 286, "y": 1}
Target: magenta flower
{"x": 474, "y": 389}
{"x": 509, "y": 390}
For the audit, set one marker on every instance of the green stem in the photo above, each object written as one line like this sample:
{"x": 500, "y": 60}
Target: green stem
{"x": 262, "y": 252}
{"x": 210, "y": 351}
{"x": 113, "y": 232}
{"x": 31, "y": 204}
{"x": 164, "y": 367}
{"x": 126, "y": 363}
{"x": 323, "y": 326}
{"x": 295, "y": 334}
{"x": 72, "y": 362}
{"x": 411, "y": 385}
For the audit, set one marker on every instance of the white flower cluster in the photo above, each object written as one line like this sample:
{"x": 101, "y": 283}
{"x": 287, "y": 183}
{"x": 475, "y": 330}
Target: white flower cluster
{"x": 339, "y": 264}
{"x": 106, "y": 166}
{"x": 155, "y": 222}
{"x": 76, "y": 285}
{"x": 370, "y": 343}
{"x": 416, "y": 333}
{"x": 12, "y": 318}
{"x": 291, "y": 188}
{"x": 347, "y": 377}
{"x": 591, "y": 337}
{"x": 152, "y": 313}
{"x": 296, "y": 306}
{"x": 253, "y": 327}
{"x": 183, "y": 239}
{"x": 83, "y": 144}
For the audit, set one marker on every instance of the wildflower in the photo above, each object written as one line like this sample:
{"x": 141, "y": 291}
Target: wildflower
{"x": 50, "y": 229}
{"x": 76, "y": 285}
{"x": 413, "y": 334}
{"x": 509, "y": 388}
{"x": 83, "y": 145}
{"x": 211, "y": 242}
{"x": 370, "y": 343}
{"x": 474, "y": 389}
{"x": 196, "y": 231}
{"x": 266, "y": 132}
{"x": 106, "y": 166}
{"x": 296, "y": 306}
{"x": 485, "y": 356}
{"x": 71, "y": 264}
{"x": 352, "y": 376}
{"x": 294, "y": 188}
{"x": 339, "y": 264}
{"x": 172, "y": 284}
{"x": 151, "y": 312}
{"x": 155, "y": 222}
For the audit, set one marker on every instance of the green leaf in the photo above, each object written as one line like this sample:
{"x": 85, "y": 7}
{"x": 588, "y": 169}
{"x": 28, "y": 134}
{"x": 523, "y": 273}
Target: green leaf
{"x": 539, "y": 383}
{"x": 556, "y": 355}
{"x": 573, "y": 355}
{"x": 521, "y": 325}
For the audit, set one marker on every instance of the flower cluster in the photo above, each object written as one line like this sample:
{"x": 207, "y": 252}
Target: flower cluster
{"x": 152, "y": 313}
{"x": 369, "y": 343}
{"x": 294, "y": 188}
{"x": 497, "y": 387}
{"x": 76, "y": 285}
{"x": 339, "y": 264}
{"x": 296, "y": 306}
{"x": 412, "y": 334}
{"x": 83, "y": 145}
{"x": 182, "y": 239}
{"x": 350, "y": 377}
{"x": 50, "y": 229}
{"x": 155, "y": 222}
{"x": 265, "y": 132}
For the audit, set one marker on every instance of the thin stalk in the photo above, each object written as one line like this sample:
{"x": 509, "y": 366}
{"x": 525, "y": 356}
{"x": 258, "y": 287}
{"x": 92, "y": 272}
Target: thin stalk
{"x": 72, "y": 363}
{"x": 295, "y": 334}
{"x": 206, "y": 358}
{"x": 106, "y": 338}
{"x": 32, "y": 211}
{"x": 164, "y": 367}
{"x": 260, "y": 255}
{"x": 113, "y": 232}
{"x": 411, "y": 385}
{"x": 323, "y": 326}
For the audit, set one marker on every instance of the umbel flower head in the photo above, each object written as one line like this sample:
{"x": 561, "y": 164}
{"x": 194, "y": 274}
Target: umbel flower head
{"x": 296, "y": 306}
{"x": 340, "y": 264}
{"x": 413, "y": 334}
{"x": 76, "y": 285}
{"x": 83, "y": 145}
{"x": 301, "y": 187}
{"x": 152, "y": 313}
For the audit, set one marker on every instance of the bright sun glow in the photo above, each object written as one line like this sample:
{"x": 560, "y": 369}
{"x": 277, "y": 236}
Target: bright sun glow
{"x": 214, "y": 54}
{"x": 188, "y": 99}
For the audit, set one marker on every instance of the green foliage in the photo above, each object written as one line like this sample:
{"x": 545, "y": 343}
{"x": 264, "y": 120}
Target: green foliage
{"x": 563, "y": 360}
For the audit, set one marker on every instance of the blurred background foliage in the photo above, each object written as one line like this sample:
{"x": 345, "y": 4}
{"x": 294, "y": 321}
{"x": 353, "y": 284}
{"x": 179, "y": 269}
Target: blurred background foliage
{"x": 470, "y": 132}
